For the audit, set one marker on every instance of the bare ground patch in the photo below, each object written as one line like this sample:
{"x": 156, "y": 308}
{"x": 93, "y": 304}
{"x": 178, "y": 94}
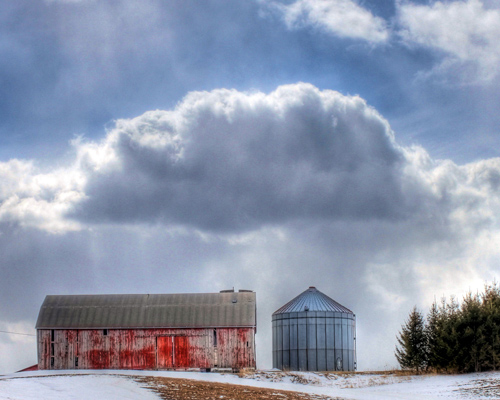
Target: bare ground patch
{"x": 481, "y": 388}
{"x": 344, "y": 380}
{"x": 187, "y": 389}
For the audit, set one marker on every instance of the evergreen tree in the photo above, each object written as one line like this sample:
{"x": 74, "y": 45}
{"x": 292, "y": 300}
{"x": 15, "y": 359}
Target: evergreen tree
{"x": 437, "y": 349}
{"x": 412, "y": 350}
{"x": 457, "y": 337}
{"x": 450, "y": 336}
{"x": 491, "y": 318}
{"x": 470, "y": 333}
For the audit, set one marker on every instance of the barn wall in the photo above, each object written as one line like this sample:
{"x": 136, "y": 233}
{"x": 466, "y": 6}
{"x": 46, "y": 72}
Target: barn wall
{"x": 146, "y": 348}
{"x": 236, "y": 348}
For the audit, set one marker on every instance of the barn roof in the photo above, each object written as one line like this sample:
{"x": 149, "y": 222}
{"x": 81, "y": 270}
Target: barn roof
{"x": 188, "y": 310}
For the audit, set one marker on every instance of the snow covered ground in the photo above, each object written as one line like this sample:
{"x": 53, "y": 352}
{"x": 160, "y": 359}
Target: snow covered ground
{"x": 72, "y": 387}
{"x": 114, "y": 385}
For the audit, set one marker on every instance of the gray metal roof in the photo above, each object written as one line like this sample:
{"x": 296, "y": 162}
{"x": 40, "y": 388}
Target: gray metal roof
{"x": 194, "y": 310}
{"x": 312, "y": 300}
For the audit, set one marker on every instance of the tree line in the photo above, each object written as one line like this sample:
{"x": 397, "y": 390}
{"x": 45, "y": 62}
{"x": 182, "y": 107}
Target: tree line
{"x": 453, "y": 337}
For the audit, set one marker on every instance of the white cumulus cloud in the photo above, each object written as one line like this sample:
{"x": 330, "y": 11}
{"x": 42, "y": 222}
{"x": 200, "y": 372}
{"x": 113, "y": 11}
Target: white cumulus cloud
{"x": 227, "y": 160}
{"x": 466, "y": 31}
{"x": 36, "y": 199}
{"x": 230, "y": 161}
{"x": 344, "y": 18}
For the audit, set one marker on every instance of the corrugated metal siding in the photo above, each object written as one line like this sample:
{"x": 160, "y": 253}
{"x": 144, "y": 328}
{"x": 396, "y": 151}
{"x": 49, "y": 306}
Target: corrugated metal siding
{"x": 146, "y": 348}
{"x": 149, "y": 311}
{"x": 314, "y": 341}
{"x": 313, "y": 332}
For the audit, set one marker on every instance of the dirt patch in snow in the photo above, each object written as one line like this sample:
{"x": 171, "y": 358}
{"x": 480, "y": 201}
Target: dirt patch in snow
{"x": 186, "y": 389}
{"x": 344, "y": 380}
{"x": 488, "y": 388}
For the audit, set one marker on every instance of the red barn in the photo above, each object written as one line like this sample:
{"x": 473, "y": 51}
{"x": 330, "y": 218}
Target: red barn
{"x": 157, "y": 331}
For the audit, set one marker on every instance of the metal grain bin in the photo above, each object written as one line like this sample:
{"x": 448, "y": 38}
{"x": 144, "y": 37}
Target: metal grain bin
{"x": 313, "y": 332}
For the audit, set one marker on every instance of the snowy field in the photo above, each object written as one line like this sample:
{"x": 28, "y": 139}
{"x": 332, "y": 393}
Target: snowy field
{"x": 124, "y": 385}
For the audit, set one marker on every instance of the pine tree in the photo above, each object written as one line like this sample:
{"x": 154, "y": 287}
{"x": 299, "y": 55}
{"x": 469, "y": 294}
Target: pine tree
{"x": 491, "y": 318}
{"x": 470, "y": 333}
{"x": 412, "y": 350}
{"x": 457, "y": 337}
{"x": 437, "y": 348}
{"x": 449, "y": 334}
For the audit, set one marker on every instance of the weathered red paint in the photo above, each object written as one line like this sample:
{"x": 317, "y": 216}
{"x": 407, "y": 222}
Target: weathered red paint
{"x": 165, "y": 353}
{"x": 146, "y": 348}
{"x": 181, "y": 357}
{"x": 32, "y": 368}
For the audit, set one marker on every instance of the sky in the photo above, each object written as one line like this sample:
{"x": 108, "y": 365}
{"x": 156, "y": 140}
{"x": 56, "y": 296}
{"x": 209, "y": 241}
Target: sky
{"x": 195, "y": 146}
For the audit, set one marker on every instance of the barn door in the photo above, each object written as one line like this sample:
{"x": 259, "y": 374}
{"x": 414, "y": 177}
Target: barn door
{"x": 181, "y": 358}
{"x": 165, "y": 355}
{"x": 172, "y": 352}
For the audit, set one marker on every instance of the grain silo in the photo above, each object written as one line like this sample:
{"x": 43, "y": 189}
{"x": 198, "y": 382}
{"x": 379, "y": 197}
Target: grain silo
{"x": 313, "y": 332}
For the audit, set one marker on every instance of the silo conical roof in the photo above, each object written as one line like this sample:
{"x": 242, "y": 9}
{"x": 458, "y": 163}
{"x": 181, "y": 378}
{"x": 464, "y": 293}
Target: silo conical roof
{"x": 312, "y": 300}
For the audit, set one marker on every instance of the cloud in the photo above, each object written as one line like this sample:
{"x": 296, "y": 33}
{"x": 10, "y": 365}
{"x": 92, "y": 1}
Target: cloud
{"x": 34, "y": 199}
{"x": 272, "y": 192}
{"x": 227, "y": 160}
{"x": 343, "y": 18}
{"x": 466, "y": 32}
{"x": 232, "y": 162}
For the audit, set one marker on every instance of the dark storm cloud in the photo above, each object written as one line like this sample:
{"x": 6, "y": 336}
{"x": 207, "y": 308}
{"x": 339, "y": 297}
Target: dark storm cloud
{"x": 226, "y": 160}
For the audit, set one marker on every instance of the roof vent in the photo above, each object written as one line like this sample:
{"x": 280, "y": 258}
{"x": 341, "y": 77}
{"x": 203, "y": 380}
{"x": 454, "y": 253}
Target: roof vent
{"x": 306, "y": 308}
{"x": 235, "y": 300}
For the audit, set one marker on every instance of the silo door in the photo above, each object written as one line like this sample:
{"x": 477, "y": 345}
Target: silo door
{"x": 165, "y": 355}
